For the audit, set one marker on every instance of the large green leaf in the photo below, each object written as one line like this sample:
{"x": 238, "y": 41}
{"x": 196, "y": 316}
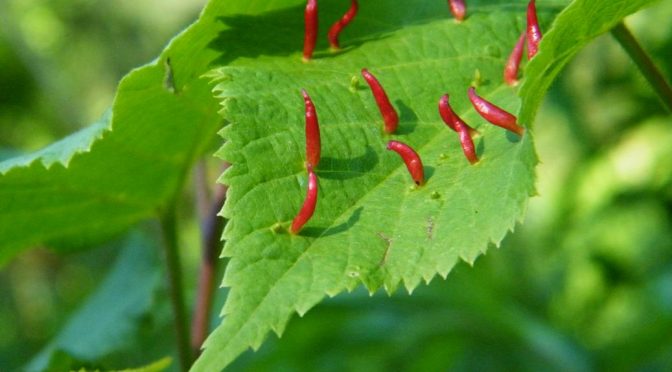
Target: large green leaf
{"x": 103, "y": 179}
{"x": 370, "y": 227}
{"x": 104, "y": 324}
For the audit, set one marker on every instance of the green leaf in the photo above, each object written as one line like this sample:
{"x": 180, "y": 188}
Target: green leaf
{"x": 60, "y": 152}
{"x": 104, "y": 324}
{"x": 157, "y": 366}
{"x": 101, "y": 180}
{"x": 370, "y": 226}
{"x": 579, "y": 24}
{"x": 62, "y": 361}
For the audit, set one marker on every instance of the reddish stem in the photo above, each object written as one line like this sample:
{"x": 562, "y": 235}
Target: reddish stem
{"x": 457, "y": 124}
{"x": 337, "y": 27}
{"x": 310, "y": 37}
{"x": 494, "y": 114}
{"x": 411, "y": 158}
{"x": 458, "y": 9}
{"x": 312, "y": 132}
{"x": 211, "y": 232}
{"x": 533, "y": 30}
{"x": 386, "y": 109}
{"x": 513, "y": 63}
{"x": 309, "y": 203}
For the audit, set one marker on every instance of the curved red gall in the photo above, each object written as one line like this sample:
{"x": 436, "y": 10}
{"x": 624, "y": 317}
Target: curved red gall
{"x": 458, "y": 8}
{"x": 513, "y": 63}
{"x": 390, "y": 116}
{"x": 533, "y": 30}
{"x": 494, "y": 114}
{"x": 337, "y": 27}
{"x": 456, "y": 123}
{"x": 411, "y": 159}
{"x": 449, "y": 116}
{"x": 309, "y": 204}
{"x": 467, "y": 143}
{"x": 313, "y": 145}
{"x": 310, "y": 35}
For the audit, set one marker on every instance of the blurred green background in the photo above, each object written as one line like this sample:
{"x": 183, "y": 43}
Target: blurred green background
{"x": 584, "y": 284}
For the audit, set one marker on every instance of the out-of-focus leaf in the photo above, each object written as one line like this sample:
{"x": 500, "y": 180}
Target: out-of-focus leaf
{"x": 111, "y": 317}
{"x": 99, "y": 181}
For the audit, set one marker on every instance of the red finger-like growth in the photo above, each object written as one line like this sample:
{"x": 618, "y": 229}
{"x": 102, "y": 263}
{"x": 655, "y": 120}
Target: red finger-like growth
{"x": 467, "y": 144}
{"x": 458, "y": 9}
{"x": 457, "y": 124}
{"x": 337, "y": 27}
{"x": 494, "y": 114}
{"x": 310, "y": 36}
{"x": 449, "y": 117}
{"x": 513, "y": 63}
{"x": 309, "y": 203}
{"x": 411, "y": 158}
{"x": 312, "y": 132}
{"x": 533, "y": 30}
{"x": 389, "y": 114}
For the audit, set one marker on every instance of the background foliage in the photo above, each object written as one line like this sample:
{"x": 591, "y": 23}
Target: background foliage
{"x": 583, "y": 284}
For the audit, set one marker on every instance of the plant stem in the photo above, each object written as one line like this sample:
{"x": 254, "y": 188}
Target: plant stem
{"x": 169, "y": 232}
{"x": 211, "y": 231}
{"x": 644, "y": 62}
{"x": 202, "y": 190}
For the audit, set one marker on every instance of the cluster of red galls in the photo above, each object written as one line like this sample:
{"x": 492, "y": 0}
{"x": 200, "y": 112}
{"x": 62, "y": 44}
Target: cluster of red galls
{"x": 489, "y": 111}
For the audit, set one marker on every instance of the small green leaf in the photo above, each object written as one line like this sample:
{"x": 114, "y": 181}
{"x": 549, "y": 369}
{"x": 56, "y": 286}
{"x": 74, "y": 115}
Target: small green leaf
{"x": 158, "y": 366}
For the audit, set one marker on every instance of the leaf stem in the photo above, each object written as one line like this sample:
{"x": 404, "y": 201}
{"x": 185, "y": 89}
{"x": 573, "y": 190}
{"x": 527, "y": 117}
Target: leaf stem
{"x": 170, "y": 238}
{"x": 644, "y": 62}
{"x": 201, "y": 189}
{"x": 211, "y": 231}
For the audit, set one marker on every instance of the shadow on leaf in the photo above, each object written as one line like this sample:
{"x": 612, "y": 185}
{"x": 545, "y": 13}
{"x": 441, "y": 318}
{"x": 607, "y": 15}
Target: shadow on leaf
{"x": 321, "y": 232}
{"x": 407, "y": 118}
{"x": 342, "y": 169}
{"x": 280, "y": 33}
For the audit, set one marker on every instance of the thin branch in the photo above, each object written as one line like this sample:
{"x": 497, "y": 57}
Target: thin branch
{"x": 644, "y": 62}
{"x": 202, "y": 190}
{"x": 211, "y": 231}
{"x": 170, "y": 239}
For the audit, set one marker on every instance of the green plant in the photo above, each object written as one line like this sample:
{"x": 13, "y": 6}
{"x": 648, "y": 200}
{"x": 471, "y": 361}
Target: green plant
{"x": 370, "y": 229}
